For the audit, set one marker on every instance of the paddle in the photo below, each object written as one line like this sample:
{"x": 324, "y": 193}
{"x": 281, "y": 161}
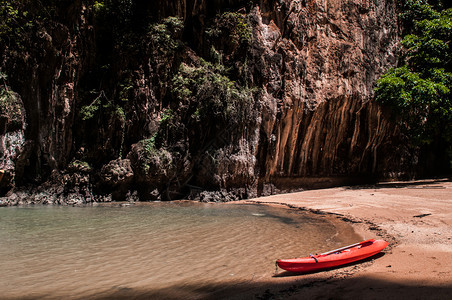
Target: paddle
{"x": 343, "y": 248}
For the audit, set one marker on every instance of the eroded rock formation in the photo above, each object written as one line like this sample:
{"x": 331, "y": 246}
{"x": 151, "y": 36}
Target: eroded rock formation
{"x": 107, "y": 118}
{"x": 326, "y": 59}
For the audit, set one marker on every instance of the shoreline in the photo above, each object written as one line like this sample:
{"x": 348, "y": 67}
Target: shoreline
{"x": 415, "y": 217}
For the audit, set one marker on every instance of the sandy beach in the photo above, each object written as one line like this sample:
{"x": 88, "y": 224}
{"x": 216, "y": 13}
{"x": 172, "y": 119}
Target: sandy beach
{"x": 414, "y": 217}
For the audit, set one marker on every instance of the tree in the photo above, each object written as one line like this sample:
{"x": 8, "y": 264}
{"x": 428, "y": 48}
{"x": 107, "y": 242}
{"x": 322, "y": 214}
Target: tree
{"x": 419, "y": 91}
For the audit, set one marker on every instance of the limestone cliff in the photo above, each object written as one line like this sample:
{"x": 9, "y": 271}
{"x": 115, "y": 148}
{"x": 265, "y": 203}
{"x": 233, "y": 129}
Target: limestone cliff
{"x": 328, "y": 55}
{"x": 240, "y": 98}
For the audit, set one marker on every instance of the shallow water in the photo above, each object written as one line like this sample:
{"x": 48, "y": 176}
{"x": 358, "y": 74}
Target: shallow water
{"x": 185, "y": 249}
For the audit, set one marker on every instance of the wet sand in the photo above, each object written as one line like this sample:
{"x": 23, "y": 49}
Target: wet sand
{"x": 414, "y": 217}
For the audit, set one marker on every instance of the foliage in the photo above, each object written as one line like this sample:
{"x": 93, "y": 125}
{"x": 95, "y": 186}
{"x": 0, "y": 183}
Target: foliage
{"x": 154, "y": 158}
{"x": 21, "y": 18}
{"x": 230, "y": 38}
{"x": 164, "y": 35}
{"x": 79, "y": 165}
{"x": 423, "y": 103}
{"x": 88, "y": 112}
{"x": 125, "y": 87}
{"x": 428, "y": 45}
{"x": 9, "y": 15}
{"x": 213, "y": 93}
{"x": 420, "y": 90}
{"x": 3, "y": 78}
{"x": 109, "y": 114}
{"x": 233, "y": 24}
{"x": 9, "y": 104}
{"x": 168, "y": 114}
{"x": 123, "y": 23}
{"x": 15, "y": 22}
{"x": 98, "y": 6}
{"x": 149, "y": 145}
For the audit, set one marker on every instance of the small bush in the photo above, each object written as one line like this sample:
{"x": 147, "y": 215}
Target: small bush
{"x": 165, "y": 35}
{"x": 234, "y": 25}
{"x": 212, "y": 93}
{"x": 10, "y": 106}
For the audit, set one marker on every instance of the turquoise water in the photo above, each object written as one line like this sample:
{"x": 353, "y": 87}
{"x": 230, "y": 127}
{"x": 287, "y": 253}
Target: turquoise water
{"x": 100, "y": 251}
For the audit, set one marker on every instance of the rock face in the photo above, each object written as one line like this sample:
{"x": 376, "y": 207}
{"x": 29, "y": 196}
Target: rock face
{"x": 45, "y": 73}
{"x": 324, "y": 59}
{"x": 12, "y": 124}
{"x": 247, "y": 98}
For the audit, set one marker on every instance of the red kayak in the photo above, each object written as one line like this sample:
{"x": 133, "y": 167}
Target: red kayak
{"x": 333, "y": 258}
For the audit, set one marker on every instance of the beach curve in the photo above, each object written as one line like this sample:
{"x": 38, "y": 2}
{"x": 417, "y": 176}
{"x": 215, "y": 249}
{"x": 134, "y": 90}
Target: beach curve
{"x": 415, "y": 217}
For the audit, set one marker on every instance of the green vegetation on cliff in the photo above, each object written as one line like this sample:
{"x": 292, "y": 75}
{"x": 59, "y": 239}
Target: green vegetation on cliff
{"x": 8, "y": 99}
{"x": 216, "y": 94}
{"x": 419, "y": 91}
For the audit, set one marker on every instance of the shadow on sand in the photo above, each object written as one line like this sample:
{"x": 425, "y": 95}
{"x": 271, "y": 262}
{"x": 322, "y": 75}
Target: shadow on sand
{"x": 320, "y": 288}
{"x": 418, "y": 184}
{"x": 322, "y": 285}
